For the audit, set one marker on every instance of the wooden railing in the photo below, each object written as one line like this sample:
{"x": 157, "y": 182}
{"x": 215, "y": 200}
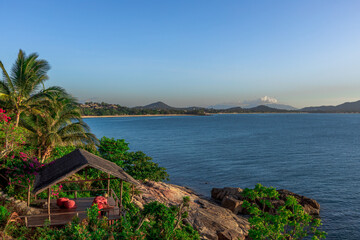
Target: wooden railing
{"x": 118, "y": 203}
{"x": 85, "y": 190}
{"x": 26, "y": 217}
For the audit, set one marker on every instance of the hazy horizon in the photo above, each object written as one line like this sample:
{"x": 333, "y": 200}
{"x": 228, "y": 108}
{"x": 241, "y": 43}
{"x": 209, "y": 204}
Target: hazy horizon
{"x": 191, "y": 53}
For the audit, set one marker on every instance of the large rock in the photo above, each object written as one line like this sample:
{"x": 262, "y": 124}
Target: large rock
{"x": 211, "y": 220}
{"x": 220, "y": 193}
{"x": 232, "y": 204}
{"x": 310, "y": 206}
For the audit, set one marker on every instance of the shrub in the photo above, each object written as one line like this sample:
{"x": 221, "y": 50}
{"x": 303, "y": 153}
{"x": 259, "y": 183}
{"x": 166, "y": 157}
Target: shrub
{"x": 4, "y": 214}
{"x": 137, "y": 164}
{"x": 286, "y": 222}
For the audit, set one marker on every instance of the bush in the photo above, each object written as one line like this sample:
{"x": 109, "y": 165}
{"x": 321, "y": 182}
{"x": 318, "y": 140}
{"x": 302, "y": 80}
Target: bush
{"x": 4, "y": 214}
{"x": 137, "y": 164}
{"x": 287, "y": 222}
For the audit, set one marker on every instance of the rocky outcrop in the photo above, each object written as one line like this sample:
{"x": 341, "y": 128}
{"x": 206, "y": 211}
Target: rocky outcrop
{"x": 220, "y": 193}
{"x": 232, "y": 199}
{"x": 310, "y": 206}
{"x": 211, "y": 220}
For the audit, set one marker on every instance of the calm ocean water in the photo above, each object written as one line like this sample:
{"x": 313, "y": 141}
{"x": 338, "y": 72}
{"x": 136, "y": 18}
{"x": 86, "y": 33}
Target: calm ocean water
{"x": 316, "y": 155}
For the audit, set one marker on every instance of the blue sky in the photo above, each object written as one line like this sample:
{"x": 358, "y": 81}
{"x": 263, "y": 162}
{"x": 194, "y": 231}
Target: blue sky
{"x": 197, "y": 52}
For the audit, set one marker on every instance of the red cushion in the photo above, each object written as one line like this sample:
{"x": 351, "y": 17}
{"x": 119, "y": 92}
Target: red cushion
{"x": 60, "y": 201}
{"x": 100, "y": 199}
{"x": 70, "y": 204}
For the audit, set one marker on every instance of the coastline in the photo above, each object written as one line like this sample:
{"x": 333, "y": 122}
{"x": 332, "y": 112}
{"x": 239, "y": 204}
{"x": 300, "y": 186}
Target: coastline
{"x": 144, "y": 115}
{"x": 176, "y": 115}
{"x": 210, "y": 114}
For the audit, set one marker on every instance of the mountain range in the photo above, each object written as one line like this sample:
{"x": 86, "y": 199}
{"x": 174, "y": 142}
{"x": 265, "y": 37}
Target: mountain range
{"x": 348, "y": 107}
{"x": 261, "y": 108}
{"x": 100, "y": 109}
{"x": 252, "y": 105}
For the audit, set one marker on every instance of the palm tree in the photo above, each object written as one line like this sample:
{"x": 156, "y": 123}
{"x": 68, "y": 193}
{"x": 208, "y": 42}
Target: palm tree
{"x": 20, "y": 91}
{"x": 59, "y": 124}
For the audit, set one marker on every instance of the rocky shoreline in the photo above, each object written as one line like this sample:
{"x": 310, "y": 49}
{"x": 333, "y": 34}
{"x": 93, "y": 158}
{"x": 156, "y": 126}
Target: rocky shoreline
{"x": 220, "y": 217}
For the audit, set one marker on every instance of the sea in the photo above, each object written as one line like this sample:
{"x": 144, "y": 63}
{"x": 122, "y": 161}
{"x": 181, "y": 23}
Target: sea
{"x": 316, "y": 155}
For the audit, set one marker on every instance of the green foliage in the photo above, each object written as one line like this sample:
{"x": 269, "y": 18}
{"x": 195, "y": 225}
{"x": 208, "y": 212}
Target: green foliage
{"x": 286, "y": 222}
{"x": 4, "y": 214}
{"x": 167, "y": 222}
{"x": 19, "y": 89}
{"x": 51, "y": 116}
{"x": 12, "y": 138}
{"x": 157, "y": 221}
{"x": 60, "y": 124}
{"x": 140, "y": 166}
{"x": 60, "y": 151}
{"x": 137, "y": 164}
{"x": 112, "y": 149}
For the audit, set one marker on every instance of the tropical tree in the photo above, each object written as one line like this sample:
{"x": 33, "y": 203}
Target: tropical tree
{"x": 58, "y": 124}
{"x": 24, "y": 87}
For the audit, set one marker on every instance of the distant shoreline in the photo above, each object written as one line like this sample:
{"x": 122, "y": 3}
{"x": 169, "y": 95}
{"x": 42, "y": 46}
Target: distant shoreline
{"x": 210, "y": 114}
{"x": 143, "y": 115}
{"x": 169, "y": 115}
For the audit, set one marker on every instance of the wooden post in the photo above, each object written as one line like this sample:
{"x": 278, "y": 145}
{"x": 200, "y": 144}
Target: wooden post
{"x": 121, "y": 195}
{"x": 28, "y": 197}
{"x": 108, "y": 185}
{"x": 75, "y": 194}
{"x": 48, "y": 201}
{"x": 35, "y": 197}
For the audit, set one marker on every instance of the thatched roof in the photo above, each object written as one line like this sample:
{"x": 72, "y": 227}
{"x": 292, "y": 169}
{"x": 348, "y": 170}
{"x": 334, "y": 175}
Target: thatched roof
{"x": 73, "y": 162}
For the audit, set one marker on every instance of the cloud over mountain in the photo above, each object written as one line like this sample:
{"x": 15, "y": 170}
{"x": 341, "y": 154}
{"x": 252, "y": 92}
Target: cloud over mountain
{"x": 267, "y": 101}
{"x": 260, "y": 101}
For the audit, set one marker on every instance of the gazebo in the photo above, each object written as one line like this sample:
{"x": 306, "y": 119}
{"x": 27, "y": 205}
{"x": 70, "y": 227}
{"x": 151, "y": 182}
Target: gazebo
{"x": 60, "y": 169}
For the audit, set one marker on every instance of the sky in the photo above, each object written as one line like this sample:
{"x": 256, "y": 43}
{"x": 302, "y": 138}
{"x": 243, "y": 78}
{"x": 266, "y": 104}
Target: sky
{"x": 191, "y": 52}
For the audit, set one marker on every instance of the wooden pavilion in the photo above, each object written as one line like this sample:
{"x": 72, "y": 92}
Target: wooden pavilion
{"x": 57, "y": 171}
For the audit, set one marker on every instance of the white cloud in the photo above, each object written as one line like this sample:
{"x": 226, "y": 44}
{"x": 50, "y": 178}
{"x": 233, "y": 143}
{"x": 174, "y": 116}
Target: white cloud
{"x": 267, "y": 99}
{"x": 260, "y": 101}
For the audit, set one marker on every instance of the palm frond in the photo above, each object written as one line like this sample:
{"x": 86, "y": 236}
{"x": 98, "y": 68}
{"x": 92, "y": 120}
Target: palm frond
{"x": 7, "y": 77}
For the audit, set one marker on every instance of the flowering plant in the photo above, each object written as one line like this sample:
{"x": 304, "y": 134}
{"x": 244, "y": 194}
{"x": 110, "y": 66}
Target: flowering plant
{"x": 3, "y": 116}
{"x": 55, "y": 190}
{"x": 22, "y": 169}
{"x": 11, "y": 137}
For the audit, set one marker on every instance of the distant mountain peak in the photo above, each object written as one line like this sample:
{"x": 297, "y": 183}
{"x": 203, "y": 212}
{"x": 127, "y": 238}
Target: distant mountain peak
{"x": 157, "y": 106}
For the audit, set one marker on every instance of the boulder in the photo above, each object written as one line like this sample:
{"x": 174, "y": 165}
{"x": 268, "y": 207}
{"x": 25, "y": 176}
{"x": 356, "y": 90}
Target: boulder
{"x": 310, "y": 206}
{"x": 232, "y": 204}
{"x": 211, "y": 220}
{"x": 220, "y": 193}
